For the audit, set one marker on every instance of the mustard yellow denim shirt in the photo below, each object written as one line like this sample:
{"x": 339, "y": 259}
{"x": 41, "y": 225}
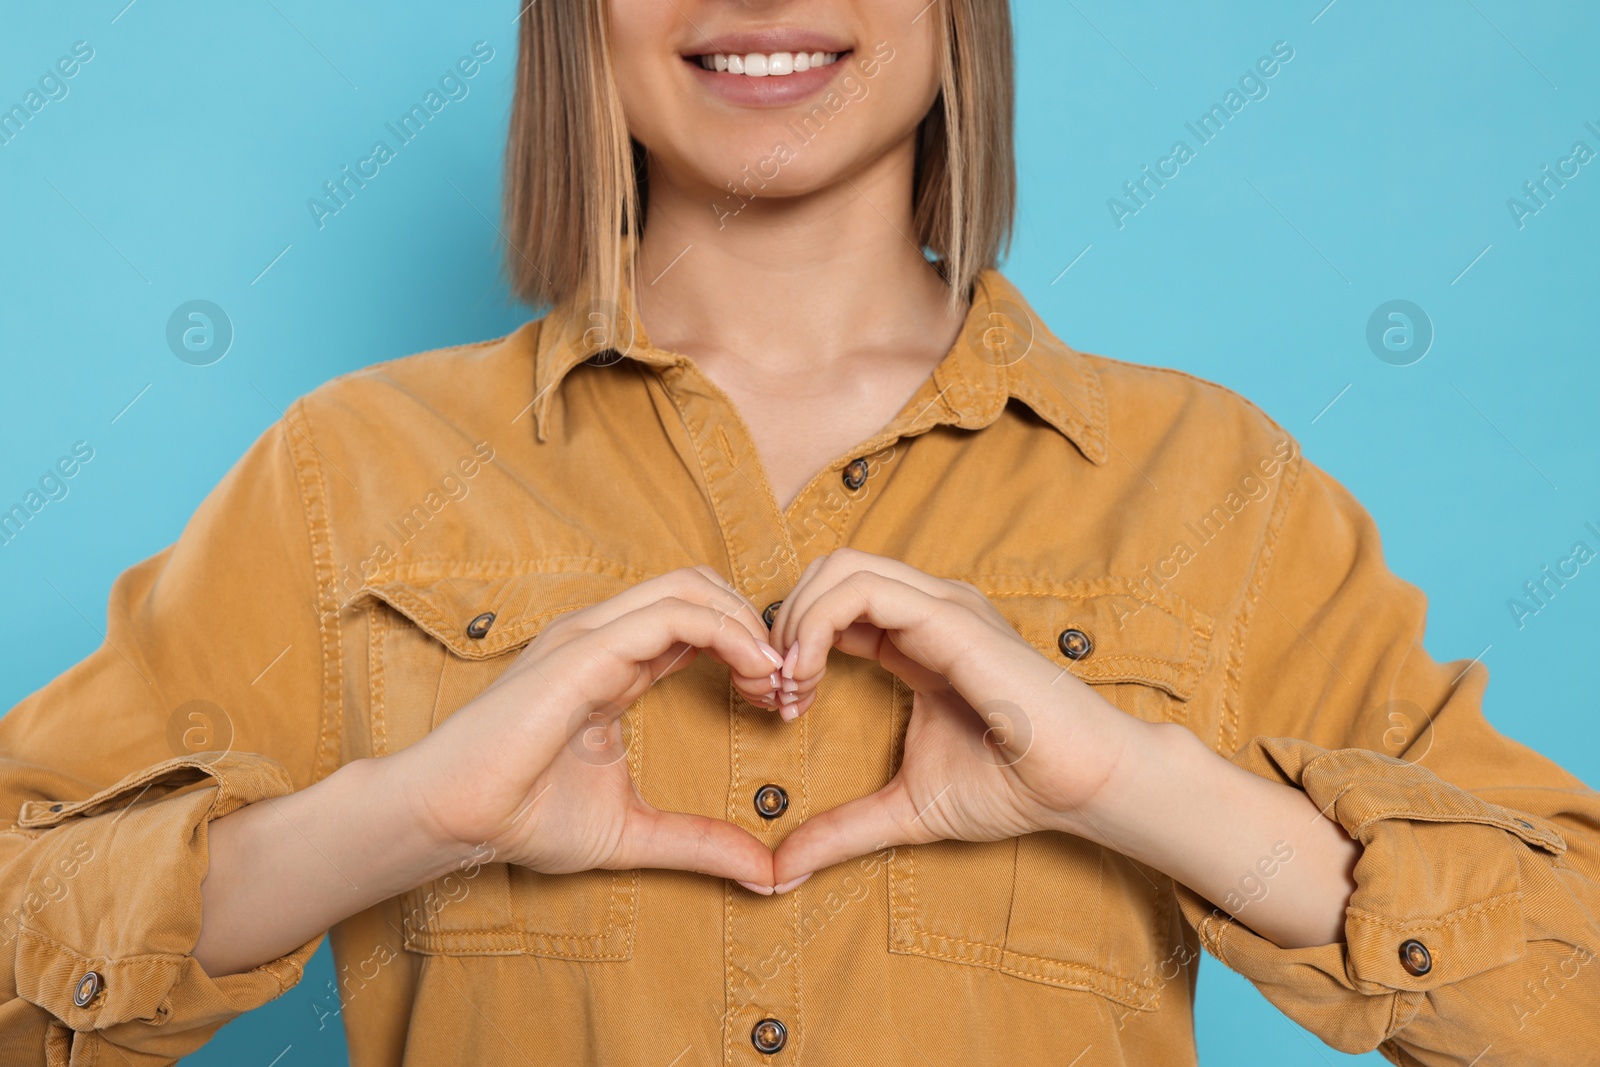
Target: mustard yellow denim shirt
{"x": 381, "y": 554}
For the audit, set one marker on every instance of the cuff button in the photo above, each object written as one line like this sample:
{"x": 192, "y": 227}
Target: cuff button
{"x": 1074, "y": 643}
{"x": 88, "y": 987}
{"x": 1415, "y": 958}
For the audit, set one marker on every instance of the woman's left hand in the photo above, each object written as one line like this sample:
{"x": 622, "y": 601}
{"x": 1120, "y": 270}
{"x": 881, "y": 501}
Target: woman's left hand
{"x": 1002, "y": 741}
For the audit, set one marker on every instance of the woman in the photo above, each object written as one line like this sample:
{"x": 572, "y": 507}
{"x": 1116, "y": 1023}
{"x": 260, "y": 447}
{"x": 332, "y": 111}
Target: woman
{"x": 785, "y": 651}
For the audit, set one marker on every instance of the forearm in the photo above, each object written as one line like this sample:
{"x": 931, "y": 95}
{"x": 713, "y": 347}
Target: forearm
{"x": 282, "y": 871}
{"x": 1258, "y": 849}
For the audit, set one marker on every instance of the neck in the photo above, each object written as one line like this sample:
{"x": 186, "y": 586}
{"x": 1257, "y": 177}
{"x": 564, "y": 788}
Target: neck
{"x": 792, "y": 285}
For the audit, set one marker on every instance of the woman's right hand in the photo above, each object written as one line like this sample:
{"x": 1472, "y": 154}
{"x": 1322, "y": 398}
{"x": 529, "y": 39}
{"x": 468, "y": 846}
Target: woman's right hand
{"x": 535, "y": 766}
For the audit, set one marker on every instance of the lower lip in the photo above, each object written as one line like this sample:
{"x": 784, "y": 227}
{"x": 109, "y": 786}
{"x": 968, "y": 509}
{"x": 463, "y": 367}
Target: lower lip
{"x": 745, "y": 91}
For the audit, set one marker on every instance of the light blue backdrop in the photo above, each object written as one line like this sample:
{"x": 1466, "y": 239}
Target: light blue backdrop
{"x": 1375, "y": 165}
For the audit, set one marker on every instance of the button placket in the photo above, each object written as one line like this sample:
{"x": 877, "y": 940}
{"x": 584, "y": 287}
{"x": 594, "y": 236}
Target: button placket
{"x": 761, "y": 934}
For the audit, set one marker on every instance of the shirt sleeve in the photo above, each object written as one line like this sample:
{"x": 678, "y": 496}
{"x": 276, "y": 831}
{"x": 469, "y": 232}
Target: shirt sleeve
{"x": 1472, "y": 932}
{"x": 207, "y": 694}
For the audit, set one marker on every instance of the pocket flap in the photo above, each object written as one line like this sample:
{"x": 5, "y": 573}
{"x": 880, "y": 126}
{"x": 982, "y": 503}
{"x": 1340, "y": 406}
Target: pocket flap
{"x": 1134, "y": 634}
{"x": 444, "y": 598}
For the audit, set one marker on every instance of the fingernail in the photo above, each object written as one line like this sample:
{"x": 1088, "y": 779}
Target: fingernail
{"x": 764, "y": 890}
{"x": 788, "y": 698}
{"x": 789, "y": 713}
{"x": 790, "y": 659}
{"x": 789, "y": 686}
{"x": 771, "y": 654}
{"x": 775, "y": 680}
{"x": 791, "y": 884}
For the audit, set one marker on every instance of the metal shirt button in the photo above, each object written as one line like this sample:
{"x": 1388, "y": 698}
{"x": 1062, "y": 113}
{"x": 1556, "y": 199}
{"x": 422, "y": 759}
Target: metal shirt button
{"x": 1415, "y": 958}
{"x": 771, "y": 801}
{"x": 769, "y": 1036}
{"x": 1074, "y": 643}
{"x": 855, "y": 475}
{"x": 770, "y": 612}
{"x": 88, "y": 986}
{"x": 479, "y": 627}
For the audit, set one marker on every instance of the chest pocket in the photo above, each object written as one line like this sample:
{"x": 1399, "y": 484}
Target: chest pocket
{"x": 431, "y": 649}
{"x": 1049, "y": 907}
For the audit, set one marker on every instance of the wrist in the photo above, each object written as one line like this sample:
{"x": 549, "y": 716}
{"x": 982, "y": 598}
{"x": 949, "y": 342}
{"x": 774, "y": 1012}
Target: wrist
{"x": 1145, "y": 761}
{"x": 418, "y": 847}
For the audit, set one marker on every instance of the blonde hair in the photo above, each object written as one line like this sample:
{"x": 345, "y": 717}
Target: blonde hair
{"x": 574, "y": 181}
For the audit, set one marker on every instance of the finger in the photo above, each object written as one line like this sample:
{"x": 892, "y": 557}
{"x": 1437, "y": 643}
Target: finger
{"x": 698, "y": 585}
{"x": 829, "y": 571}
{"x": 866, "y": 641}
{"x": 760, "y": 691}
{"x": 622, "y": 658}
{"x": 786, "y": 608}
{"x": 675, "y": 840}
{"x": 881, "y": 820}
{"x": 923, "y": 625}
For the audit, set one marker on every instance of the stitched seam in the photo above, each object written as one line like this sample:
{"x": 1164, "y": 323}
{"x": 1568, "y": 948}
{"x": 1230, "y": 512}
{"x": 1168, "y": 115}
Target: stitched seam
{"x": 1138, "y": 995}
{"x": 313, "y": 508}
{"x": 728, "y": 969}
{"x": 1477, "y": 819}
{"x": 1539, "y": 835}
{"x": 736, "y": 548}
{"x": 986, "y": 949}
{"x": 1439, "y": 923}
{"x": 1233, "y": 675}
{"x": 377, "y": 629}
{"x": 440, "y": 568}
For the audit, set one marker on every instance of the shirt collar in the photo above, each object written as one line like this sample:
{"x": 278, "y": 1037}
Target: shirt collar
{"x": 1004, "y": 352}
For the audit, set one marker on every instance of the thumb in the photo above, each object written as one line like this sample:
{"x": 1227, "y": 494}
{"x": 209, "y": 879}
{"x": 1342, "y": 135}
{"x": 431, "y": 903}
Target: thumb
{"x": 679, "y": 841}
{"x": 870, "y": 823}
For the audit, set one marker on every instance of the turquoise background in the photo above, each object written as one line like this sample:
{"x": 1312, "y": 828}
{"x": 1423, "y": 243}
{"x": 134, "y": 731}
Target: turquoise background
{"x": 1377, "y": 168}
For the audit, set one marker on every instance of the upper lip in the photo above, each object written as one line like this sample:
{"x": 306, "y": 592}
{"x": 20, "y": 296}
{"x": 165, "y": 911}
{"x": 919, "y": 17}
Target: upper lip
{"x": 743, "y": 42}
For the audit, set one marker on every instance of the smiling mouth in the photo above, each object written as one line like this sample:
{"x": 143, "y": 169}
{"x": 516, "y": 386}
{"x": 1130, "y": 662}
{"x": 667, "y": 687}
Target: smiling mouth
{"x": 766, "y": 64}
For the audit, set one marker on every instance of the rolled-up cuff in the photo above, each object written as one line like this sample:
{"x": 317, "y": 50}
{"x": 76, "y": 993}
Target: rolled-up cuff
{"x": 1438, "y": 895}
{"x": 111, "y": 914}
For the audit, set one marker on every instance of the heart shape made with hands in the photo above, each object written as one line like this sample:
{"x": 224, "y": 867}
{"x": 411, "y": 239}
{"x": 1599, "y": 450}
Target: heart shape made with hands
{"x": 983, "y": 755}
{"x": 977, "y": 766}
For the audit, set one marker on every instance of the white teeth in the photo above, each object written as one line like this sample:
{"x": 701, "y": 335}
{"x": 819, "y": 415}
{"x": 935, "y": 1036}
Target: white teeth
{"x": 767, "y": 64}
